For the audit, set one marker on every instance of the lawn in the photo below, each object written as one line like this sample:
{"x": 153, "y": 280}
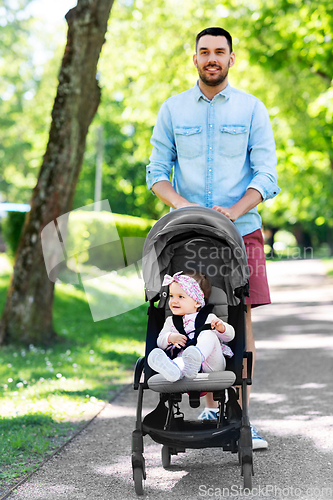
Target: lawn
{"x": 46, "y": 395}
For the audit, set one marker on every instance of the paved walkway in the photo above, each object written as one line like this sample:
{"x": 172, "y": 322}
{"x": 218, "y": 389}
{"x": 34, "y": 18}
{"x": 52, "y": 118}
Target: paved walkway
{"x": 291, "y": 404}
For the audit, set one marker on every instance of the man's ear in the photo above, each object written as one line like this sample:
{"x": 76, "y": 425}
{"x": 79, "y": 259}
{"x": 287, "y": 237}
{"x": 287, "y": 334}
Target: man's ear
{"x": 232, "y": 59}
{"x": 195, "y": 62}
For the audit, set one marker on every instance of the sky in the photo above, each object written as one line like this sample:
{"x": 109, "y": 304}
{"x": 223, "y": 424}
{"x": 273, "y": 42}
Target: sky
{"x": 51, "y": 11}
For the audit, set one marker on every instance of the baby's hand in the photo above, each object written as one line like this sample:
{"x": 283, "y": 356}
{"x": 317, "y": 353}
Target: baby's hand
{"x": 217, "y": 324}
{"x": 177, "y": 339}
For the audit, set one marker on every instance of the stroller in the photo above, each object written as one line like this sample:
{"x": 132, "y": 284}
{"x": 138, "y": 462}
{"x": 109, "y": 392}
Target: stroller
{"x": 195, "y": 239}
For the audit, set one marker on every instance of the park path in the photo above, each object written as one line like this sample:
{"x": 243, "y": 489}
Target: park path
{"x": 291, "y": 404}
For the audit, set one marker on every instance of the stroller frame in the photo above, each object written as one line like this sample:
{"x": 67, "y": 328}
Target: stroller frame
{"x": 166, "y": 424}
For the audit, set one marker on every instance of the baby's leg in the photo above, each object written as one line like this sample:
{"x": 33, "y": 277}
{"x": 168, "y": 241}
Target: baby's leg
{"x": 210, "y": 348}
{"x": 162, "y": 364}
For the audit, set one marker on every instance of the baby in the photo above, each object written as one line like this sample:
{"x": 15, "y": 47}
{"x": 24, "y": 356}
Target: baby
{"x": 186, "y": 297}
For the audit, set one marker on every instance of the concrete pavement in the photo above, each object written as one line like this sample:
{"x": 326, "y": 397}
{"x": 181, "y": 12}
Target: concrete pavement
{"x": 291, "y": 404}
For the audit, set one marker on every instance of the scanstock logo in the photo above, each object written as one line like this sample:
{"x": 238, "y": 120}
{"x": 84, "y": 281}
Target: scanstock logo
{"x": 83, "y": 248}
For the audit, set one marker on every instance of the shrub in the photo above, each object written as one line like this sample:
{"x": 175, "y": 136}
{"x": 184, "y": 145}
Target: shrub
{"x": 12, "y": 226}
{"x": 93, "y": 238}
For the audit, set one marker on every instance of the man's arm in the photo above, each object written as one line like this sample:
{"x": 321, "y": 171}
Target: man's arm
{"x": 251, "y": 199}
{"x": 166, "y": 193}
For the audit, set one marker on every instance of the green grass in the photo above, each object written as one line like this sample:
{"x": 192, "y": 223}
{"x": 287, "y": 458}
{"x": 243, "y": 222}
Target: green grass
{"x": 48, "y": 394}
{"x": 26, "y": 440}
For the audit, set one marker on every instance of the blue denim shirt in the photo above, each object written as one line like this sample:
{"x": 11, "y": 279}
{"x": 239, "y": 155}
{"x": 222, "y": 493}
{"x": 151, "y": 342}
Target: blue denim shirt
{"x": 216, "y": 150}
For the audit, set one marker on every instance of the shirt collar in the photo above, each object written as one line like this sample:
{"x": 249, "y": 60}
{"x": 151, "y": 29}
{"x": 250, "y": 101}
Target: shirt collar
{"x": 190, "y": 316}
{"x": 199, "y": 95}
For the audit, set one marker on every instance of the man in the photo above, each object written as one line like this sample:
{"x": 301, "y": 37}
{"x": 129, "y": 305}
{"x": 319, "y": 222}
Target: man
{"x": 219, "y": 143}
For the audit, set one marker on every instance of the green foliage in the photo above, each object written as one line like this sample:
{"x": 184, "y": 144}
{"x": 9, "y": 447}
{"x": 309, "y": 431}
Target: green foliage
{"x": 293, "y": 43}
{"x": 26, "y": 98}
{"x": 133, "y": 226}
{"x": 283, "y": 56}
{"x": 26, "y": 440}
{"x": 86, "y": 229}
{"x": 12, "y": 226}
{"x": 93, "y": 237}
{"x": 124, "y": 175}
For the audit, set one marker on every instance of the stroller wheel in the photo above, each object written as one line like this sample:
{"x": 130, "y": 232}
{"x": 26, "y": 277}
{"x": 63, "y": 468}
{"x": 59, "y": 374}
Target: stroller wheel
{"x": 166, "y": 456}
{"x": 247, "y": 475}
{"x": 138, "y": 480}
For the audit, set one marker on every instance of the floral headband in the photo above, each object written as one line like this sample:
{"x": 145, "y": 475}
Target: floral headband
{"x": 188, "y": 284}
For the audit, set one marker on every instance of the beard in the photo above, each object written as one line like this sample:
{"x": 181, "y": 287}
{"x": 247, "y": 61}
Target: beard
{"x": 213, "y": 80}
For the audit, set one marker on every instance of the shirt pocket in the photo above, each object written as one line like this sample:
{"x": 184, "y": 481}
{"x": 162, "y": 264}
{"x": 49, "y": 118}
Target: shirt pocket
{"x": 232, "y": 140}
{"x": 189, "y": 141}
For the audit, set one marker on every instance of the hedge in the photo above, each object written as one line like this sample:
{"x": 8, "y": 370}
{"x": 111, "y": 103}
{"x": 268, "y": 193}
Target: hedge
{"x": 95, "y": 240}
{"x": 89, "y": 236}
{"x": 11, "y": 227}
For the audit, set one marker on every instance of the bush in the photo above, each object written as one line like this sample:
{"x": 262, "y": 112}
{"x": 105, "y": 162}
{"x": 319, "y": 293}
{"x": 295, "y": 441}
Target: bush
{"x": 93, "y": 239}
{"x": 92, "y": 236}
{"x": 12, "y": 226}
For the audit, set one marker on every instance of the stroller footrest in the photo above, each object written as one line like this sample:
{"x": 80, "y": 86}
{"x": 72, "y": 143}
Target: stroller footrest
{"x": 196, "y": 436}
{"x": 203, "y": 382}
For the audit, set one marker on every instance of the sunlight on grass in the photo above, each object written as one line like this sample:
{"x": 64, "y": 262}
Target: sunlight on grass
{"x": 5, "y": 265}
{"x": 114, "y": 293}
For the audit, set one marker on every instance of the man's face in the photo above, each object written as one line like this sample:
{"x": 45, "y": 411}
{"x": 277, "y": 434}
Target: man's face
{"x": 213, "y": 59}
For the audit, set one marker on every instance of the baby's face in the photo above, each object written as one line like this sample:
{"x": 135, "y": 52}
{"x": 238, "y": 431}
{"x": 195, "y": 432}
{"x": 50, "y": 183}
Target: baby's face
{"x": 180, "y": 303}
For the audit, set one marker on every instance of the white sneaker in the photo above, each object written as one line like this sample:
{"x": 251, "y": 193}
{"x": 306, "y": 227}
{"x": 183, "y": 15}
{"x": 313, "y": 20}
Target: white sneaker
{"x": 192, "y": 361}
{"x": 209, "y": 414}
{"x": 258, "y": 443}
{"x": 161, "y": 363}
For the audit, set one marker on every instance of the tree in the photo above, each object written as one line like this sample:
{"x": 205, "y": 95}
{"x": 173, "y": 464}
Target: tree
{"x": 27, "y": 315}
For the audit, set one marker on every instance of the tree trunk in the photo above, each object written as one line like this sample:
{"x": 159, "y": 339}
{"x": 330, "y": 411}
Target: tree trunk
{"x": 27, "y": 316}
{"x": 303, "y": 240}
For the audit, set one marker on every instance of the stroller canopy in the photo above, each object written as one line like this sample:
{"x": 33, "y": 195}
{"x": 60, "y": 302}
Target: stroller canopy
{"x": 195, "y": 239}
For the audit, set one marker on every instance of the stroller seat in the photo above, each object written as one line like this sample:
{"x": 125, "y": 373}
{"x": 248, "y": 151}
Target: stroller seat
{"x": 203, "y": 382}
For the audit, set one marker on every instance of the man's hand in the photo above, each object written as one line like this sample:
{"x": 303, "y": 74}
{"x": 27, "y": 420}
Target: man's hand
{"x": 251, "y": 199}
{"x": 177, "y": 339}
{"x": 166, "y": 193}
{"x": 228, "y": 212}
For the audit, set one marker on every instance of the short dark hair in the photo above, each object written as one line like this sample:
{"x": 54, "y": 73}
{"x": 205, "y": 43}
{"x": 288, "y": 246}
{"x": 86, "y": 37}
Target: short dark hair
{"x": 214, "y": 32}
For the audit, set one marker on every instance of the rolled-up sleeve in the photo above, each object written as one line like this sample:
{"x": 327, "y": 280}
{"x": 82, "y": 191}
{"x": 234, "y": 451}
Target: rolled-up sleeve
{"x": 164, "y": 152}
{"x": 262, "y": 154}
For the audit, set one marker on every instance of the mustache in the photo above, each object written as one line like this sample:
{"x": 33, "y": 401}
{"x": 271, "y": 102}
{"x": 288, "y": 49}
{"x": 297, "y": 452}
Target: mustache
{"x": 217, "y": 66}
